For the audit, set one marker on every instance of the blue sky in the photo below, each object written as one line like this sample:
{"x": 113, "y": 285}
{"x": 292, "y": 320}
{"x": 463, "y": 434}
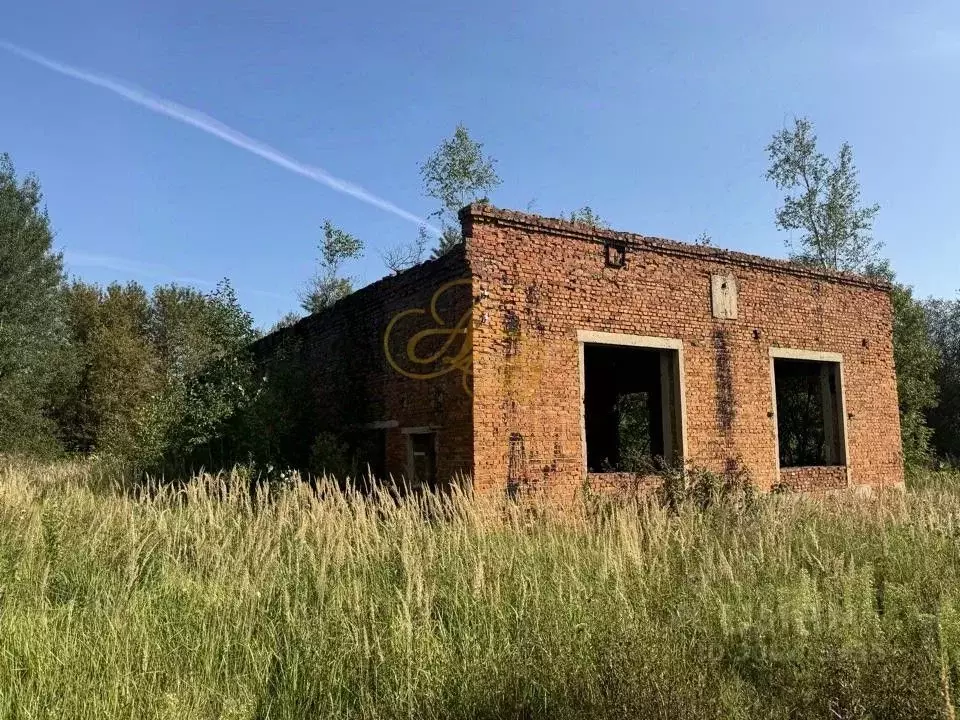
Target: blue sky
{"x": 655, "y": 114}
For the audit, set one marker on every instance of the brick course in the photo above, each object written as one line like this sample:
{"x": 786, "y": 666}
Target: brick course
{"x": 813, "y": 479}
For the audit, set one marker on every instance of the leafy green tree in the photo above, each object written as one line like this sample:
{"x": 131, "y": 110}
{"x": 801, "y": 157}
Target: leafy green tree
{"x": 822, "y": 202}
{"x": 944, "y": 319}
{"x": 192, "y": 329}
{"x": 917, "y": 362}
{"x": 31, "y": 325}
{"x": 276, "y": 427}
{"x": 328, "y": 286}
{"x": 125, "y": 369}
{"x": 117, "y": 370}
{"x": 73, "y": 410}
{"x": 456, "y": 174}
{"x": 202, "y": 341}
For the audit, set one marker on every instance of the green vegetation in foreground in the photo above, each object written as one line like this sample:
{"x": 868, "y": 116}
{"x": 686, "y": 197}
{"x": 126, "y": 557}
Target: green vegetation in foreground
{"x": 203, "y": 605}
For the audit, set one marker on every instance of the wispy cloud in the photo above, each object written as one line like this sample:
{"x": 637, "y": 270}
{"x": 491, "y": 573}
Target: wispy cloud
{"x": 212, "y": 126}
{"x": 150, "y": 271}
{"x": 79, "y": 259}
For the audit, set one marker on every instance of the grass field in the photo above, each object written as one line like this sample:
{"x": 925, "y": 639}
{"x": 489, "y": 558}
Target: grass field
{"x": 202, "y": 604}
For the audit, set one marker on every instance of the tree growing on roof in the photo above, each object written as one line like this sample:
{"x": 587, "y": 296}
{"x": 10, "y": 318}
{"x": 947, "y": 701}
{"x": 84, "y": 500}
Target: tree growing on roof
{"x": 822, "y": 202}
{"x": 406, "y": 255}
{"x": 586, "y": 216}
{"x": 328, "y": 286}
{"x": 456, "y": 174}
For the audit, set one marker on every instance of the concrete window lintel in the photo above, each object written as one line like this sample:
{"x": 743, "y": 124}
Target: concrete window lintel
{"x": 419, "y": 430}
{"x": 380, "y": 425}
{"x": 645, "y": 341}
{"x": 814, "y": 355}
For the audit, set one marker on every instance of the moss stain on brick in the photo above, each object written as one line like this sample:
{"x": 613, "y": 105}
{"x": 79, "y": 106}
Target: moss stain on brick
{"x": 723, "y": 379}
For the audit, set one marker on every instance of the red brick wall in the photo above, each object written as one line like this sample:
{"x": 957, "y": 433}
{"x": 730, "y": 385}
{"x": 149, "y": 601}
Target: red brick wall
{"x": 536, "y": 282}
{"x": 813, "y": 479}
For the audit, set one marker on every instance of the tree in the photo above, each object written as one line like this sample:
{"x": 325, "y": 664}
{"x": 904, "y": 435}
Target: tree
{"x": 456, "y": 174}
{"x": 192, "y": 329}
{"x": 73, "y": 410}
{"x": 586, "y": 216}
{"x": 835, "y": 235}
{"x": 202, "y": 341}
{"x": 116, "y": 368}
{"x": 944, "y": 322}
{"x": 327, "y": 286}
{"x": 288, "y": 320}
{"x": 31, "y": 317}
{"x": 449, "y": 239}
{"x": 407, "y": 255}
{"x": 822, "y": 202}
{"x": 917, "y": 361}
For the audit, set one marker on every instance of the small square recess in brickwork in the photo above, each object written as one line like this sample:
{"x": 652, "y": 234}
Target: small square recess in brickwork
{"x": 616, "y": 255}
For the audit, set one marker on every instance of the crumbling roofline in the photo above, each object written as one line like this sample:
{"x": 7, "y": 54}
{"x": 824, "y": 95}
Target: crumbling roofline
{"x": 486, "y": 213}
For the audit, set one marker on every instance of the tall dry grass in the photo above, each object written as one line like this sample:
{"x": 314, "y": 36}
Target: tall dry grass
{"x": 203, "y": 603}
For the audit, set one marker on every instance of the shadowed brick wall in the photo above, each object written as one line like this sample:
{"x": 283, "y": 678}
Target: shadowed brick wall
{"x": 353, "y": 386}
{"x": 537, "y": 282}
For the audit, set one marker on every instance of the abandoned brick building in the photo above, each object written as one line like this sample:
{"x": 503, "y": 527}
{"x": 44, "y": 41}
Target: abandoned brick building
{"x": 542, "y": 353}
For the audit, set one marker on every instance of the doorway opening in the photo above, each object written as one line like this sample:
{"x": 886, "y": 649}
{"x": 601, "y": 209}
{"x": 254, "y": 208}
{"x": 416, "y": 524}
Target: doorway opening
{"x": 422, "y": 460}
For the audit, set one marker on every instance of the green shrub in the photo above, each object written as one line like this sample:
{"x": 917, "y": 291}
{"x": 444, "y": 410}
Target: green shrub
{"x": 330, "y": 456}
{"x": 691, "y": 484}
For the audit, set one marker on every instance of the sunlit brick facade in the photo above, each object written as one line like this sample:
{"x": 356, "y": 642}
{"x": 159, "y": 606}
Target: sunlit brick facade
{"x": 507, "y": 360}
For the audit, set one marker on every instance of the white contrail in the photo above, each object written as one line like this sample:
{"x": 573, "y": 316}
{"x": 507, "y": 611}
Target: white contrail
{"x": 211, "y": 125}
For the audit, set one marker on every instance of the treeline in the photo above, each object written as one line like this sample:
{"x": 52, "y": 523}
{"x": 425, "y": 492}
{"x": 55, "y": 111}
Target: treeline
{"x": 927, "y": 354}
{"x": 149, "y": 377}
{"x": 152, "y": 378}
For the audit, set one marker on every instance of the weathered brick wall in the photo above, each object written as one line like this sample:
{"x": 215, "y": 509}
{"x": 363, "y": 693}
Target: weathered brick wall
{"x": 533, "y": 284}
{"x": 351, "y": 382}
{"x": 537, "y": 282}
{"x": 813, "y": 479}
